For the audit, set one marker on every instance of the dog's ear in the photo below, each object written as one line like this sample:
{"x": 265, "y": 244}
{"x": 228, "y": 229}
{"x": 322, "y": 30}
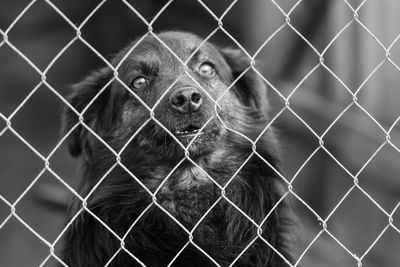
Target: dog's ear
{"x": 98, "y": 115}
{"x": 250, "y": 88}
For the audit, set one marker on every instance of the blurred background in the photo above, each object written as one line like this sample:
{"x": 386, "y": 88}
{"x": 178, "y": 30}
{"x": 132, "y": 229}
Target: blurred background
{"x": 355, "y": 143}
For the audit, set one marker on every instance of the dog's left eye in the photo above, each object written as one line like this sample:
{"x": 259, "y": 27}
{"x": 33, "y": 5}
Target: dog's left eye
{"x": 206, "y": 69}
{"x": 139, "y": 82}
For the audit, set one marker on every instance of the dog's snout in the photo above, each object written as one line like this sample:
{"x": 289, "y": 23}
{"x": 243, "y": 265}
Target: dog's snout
{"x": 186, "y": 100}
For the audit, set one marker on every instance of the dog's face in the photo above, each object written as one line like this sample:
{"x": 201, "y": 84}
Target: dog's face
{"x": 183, "y": 102}
{"x": 158, "y": 101}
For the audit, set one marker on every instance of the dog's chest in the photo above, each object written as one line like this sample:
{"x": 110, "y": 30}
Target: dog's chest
{"x": 183, "y": 178}
{"x": 191, "y": 176}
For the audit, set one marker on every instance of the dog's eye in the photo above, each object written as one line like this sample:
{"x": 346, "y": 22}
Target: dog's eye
{"x": 206, "y": 69}
{"x": 139, "y": 82}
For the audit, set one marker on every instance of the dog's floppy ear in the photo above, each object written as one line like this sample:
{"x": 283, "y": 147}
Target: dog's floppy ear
{"x": 98, "y": 116}
{"x": 250, "y": 88}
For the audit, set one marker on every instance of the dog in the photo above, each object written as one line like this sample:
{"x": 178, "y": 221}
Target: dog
{"x": 169, "y": 171}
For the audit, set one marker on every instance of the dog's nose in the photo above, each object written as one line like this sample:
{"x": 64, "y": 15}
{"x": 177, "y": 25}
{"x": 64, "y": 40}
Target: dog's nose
{"x": 186, "y": 100}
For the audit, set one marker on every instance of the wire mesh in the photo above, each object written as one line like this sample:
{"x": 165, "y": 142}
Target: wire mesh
{"x": 46, "y": 159}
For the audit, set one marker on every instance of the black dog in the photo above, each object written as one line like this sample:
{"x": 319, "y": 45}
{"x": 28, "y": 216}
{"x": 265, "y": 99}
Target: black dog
{"x": 218, "y": 175}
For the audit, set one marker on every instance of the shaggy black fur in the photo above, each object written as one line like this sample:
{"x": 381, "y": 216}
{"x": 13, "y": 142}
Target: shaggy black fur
{"x": 153, "y": 154}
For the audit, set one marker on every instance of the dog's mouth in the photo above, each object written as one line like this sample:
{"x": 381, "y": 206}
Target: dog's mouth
{"x": 189, "y": 131}
{"x": 195, "y": 137}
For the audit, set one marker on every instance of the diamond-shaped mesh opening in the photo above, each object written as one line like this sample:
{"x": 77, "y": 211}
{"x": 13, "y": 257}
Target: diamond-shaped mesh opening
{"x": 39, "y": 124}
{"x": 322, "y": 36}
{"x": 299, "y": 16}
{"x": 308, "y": 59}
{"x": 13, "y": 9}
{"x": 265, "y": 29}
{"x": 203, "y": 22}
{"x": 317, "y": 164}
{"x": 387, "y": 181}
{"x": 81, "y": 134}
{"x": 17, "y": 232}
{"x": 389, "y": 240}
{"x": 44, "y": 192}
{"x": 11, "y": 97}
{"x": 334, "y": 99}
{"x": 355, "y": 220}
{"x": 385, "y": 117}
{"x": 125, "y": 27}
{"x": 35, "y": 43}
{"x": 72, "y": 62}
{"x": 93, "y": 222}
{"x": 374, "y": 24}
{"x": 357, "y": 130}
{"x": 104, "y": 184}
{"x": 326, "y": 250}
{"x": 331, "y": 69}
{"x": 348, "y": 73}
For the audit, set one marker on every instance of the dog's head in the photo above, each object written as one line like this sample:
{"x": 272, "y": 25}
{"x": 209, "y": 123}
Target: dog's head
{"x": 158, "y": 101}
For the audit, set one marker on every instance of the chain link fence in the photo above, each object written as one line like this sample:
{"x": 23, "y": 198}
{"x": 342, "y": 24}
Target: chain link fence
{"x": 286, "y": 15}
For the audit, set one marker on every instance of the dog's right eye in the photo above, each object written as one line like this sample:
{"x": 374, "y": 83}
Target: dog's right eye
{"x": 139, "y": 82}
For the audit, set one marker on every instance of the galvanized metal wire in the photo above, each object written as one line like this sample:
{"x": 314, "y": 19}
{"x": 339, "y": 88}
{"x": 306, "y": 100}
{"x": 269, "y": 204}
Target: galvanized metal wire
{"x": 46, "y": 159}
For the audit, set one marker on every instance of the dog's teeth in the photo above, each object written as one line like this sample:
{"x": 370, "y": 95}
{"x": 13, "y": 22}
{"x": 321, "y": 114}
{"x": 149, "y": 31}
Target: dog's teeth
{"x": 194, "y": 131}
